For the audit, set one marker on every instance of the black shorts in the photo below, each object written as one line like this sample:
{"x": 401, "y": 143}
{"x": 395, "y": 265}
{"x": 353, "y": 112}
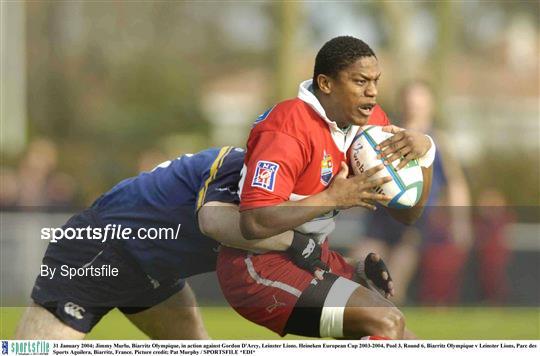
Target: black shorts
{"x": 305, "y": 318}
{"x": 81, "y": 301}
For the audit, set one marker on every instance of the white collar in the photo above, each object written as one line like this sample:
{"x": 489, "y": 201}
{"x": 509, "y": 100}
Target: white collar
{"x": 305, "y": 94}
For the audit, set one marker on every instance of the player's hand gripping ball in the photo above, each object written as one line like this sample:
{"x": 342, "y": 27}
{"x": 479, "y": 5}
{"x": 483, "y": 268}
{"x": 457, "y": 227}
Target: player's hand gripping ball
{"x": 405, "y": 188}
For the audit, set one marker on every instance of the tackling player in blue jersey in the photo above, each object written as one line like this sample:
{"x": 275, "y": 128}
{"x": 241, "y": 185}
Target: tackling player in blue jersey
{"x": 195, "y": 195}
{"x": 148, "y": 287}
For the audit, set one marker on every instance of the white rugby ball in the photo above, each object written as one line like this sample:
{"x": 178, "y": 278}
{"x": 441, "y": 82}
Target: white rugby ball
{"x": 405, "y": 188}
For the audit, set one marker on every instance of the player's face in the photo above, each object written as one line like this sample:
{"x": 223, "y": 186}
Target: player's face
{"x": 354, "y": 92}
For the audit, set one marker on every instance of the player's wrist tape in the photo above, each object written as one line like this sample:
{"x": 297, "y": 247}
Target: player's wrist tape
{"x": 305, "y": 252}
{"x": 427, "y": 160}
{"x": 302, "y": 244}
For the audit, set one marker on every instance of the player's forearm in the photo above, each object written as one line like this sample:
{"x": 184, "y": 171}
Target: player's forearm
{"x": 409, "y": 216}
{"x": 261, "y": 223}
{"x": 220, "y": 221}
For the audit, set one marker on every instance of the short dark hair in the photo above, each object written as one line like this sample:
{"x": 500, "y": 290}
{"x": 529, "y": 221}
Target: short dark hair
{"x": 337, "y": 54}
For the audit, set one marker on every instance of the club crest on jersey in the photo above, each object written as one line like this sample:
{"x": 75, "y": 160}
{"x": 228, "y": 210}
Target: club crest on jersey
{"x": 265, "y": 175}
{"x": 326, "y": 168}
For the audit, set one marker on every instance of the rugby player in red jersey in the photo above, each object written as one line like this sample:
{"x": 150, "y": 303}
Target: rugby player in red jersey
{"x": 295, "y": 177}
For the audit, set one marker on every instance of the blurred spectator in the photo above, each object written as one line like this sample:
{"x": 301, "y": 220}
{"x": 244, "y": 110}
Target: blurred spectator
{"x": 490, "y": 222}
{"x": 36, "y": 166}
{"x": 36, "y": 182}
{"x": 60, "y": 190}
{"x": 447, "y": 229}
{"x": 443, "y": 255}
{"x": 441, "y": 230}
{"x": 9, "y": 187}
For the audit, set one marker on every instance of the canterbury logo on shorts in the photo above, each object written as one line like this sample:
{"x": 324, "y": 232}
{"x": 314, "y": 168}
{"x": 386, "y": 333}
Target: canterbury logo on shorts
{"x": 74, "y": 310}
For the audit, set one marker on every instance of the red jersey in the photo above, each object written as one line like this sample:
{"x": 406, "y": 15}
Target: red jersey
{"x": 294, "y": 150}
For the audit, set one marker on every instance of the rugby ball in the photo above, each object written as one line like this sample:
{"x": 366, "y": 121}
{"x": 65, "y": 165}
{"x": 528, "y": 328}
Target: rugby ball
{"x": 405, "y": 188}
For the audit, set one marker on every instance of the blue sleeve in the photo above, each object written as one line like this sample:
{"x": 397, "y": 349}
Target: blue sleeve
{"x": 438, "y": 182}
{"x": 221, "y": 182}
{"x": 438, "y": 170}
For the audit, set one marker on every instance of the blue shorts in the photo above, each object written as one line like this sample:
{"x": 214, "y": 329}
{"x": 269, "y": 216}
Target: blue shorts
{"x": 81, "y": 301}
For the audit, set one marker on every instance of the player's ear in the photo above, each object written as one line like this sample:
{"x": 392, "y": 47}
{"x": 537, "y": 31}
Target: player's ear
{"x": 325, "y": 83}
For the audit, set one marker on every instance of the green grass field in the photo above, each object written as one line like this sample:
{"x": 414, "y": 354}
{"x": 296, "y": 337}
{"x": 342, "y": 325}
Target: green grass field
{"x": 427, "y": 323}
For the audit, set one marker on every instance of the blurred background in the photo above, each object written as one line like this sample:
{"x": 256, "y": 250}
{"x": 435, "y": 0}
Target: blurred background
{"x": 94, "y": 92}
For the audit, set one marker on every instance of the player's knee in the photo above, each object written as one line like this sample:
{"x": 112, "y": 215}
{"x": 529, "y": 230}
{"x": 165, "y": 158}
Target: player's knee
{"x": 393, "y": 324}
{"x": 390, "y": 323}
{"x": 38, "y": 323}
{"x": 380, "y": 321}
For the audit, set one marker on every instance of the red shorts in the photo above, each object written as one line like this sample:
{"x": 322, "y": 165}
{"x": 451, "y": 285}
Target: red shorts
{"x": 264, "y": 288}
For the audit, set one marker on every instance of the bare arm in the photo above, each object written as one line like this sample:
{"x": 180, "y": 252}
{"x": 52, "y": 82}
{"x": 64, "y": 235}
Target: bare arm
{"x": 220, "y": 221}
{"x": 343, "y": 193}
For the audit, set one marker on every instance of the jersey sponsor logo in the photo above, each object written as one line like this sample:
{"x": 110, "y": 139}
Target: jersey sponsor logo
{"x": 74, "y": 310}
{"x": 326, "y": 168}
{"x": 265, "y": 175}
{"x": 263, "y": 116}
